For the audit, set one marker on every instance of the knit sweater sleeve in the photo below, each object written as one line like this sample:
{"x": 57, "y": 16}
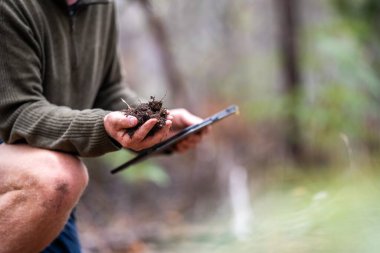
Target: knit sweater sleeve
{"x": 26, "y": 116}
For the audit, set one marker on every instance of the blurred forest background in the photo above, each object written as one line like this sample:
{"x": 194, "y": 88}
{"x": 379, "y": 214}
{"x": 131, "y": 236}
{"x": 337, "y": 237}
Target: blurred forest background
{"x": 296, "y": 171}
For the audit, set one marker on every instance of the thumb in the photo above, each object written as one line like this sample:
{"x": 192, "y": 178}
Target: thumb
{"x": 118, "y": 120}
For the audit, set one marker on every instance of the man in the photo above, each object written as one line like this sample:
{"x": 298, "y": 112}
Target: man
{"x": 60, "y": 93}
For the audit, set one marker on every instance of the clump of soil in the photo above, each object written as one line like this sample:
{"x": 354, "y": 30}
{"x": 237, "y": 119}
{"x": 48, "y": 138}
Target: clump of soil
{"x": 145, "y": 111}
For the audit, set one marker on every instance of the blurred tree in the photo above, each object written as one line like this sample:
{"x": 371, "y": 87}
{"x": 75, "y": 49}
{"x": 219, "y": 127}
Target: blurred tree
{"x": 171, "y": 71}
{"x": 292, "y": 86}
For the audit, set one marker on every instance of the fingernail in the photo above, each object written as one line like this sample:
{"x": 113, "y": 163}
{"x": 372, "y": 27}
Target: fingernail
{"x": 132, "y": 120}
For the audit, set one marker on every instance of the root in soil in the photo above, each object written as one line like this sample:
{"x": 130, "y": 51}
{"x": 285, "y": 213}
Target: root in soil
{"x": 145, "y": 111}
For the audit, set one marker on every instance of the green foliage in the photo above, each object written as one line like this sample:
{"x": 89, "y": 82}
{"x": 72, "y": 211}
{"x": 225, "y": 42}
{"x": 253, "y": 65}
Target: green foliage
{"x": 362, "y": 15}
{"x": 358, "y": 9}
{"x": 341, "y": 101}
{"x": 146, "y": 171}
{"x": 337, "y": 110}
{"x": 337, "y": 96}
{"x": 362, "y": 20}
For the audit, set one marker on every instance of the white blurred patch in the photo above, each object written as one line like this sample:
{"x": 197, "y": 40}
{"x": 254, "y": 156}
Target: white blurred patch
{"x": 320, "y": 195}
{"x": 240, "y": 202}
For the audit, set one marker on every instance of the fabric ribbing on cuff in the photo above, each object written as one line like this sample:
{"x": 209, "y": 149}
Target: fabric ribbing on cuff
{"x": 63, "y": 129}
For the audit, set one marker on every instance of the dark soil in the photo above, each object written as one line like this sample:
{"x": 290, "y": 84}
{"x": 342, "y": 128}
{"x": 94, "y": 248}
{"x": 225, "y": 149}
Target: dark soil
{"x": 145, "y": 111}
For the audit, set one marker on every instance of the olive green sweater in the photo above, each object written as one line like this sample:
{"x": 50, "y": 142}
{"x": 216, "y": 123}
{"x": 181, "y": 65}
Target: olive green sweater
{"x": 59, "y": 74}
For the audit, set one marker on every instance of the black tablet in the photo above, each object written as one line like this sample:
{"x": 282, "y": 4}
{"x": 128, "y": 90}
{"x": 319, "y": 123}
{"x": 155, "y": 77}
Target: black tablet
{"x": 166, "y": 145}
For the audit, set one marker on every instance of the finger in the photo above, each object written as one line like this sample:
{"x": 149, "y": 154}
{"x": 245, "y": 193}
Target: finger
{"x": 118, "y": 121}
{"x": 161, "y": 135}
{"x": 166, "y": 130}
{"x": 143, "y": 130}
{"x": 190, "y": 142}
{"x": 206, "y": 130}
{"x": 194, "y": 138}
{"x": 183, "y": 118}
{"x": 115, "y": 124}
{"x": 152, "y": 140}
{"x": 183, "y": 147}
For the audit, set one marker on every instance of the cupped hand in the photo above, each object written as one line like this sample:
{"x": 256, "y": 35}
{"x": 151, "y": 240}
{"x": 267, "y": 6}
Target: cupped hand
{"x": 116, "y": 123}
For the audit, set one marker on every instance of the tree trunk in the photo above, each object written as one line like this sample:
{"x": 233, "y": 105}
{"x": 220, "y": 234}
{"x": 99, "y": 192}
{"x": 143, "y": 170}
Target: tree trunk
{"x": 289, "y": 49}
{"x": 171, "y": 72}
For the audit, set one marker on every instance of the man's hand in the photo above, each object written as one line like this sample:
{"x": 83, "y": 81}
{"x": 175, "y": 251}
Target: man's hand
{"x": 181, "y": 119}
{"x": 116, "y": 124}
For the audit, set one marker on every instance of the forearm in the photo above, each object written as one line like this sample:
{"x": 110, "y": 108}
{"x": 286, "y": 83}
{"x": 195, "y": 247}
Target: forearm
{"x": 45, "y": 125}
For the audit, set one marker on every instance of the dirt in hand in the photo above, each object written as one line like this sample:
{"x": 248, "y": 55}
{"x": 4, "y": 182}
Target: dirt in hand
{"x": 145, "y": 111}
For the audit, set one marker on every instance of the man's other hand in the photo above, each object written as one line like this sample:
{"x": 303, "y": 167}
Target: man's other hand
{"x": 181, "y": 119}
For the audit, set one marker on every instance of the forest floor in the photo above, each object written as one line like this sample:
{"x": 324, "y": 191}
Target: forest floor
{"x": 323, "y": 211}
